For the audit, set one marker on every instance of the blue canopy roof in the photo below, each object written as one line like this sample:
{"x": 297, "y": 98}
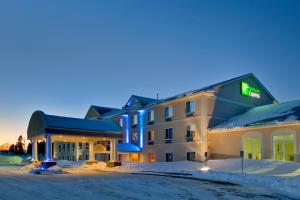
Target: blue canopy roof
{"x": 41, "y": 123}
{"x": 128, "y": 147}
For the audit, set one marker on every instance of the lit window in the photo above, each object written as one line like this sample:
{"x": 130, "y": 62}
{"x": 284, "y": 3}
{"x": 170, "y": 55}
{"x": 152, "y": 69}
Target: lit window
{"x": 191, "y": 156}
{"x": 169, "y": 135}
{"x": 150, "y": 137}
{"x": 151, "y": 157}
{"x": 168, "y": 112}
{"x": 190, "y": 107}
{"x": 190, "y": 133}
{"x": 151, "y": 116}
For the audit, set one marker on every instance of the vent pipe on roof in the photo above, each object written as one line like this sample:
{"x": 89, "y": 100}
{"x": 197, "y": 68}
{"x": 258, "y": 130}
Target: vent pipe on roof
{"x": 157, "y": 96}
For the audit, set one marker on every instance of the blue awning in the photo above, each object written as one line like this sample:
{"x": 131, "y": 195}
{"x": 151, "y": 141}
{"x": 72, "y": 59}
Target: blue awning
{"x": 128, "y": 147}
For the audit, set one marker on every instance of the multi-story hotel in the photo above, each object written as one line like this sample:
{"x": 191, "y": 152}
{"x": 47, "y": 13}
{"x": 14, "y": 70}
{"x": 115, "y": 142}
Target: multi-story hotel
{"x": 217, "y": 121}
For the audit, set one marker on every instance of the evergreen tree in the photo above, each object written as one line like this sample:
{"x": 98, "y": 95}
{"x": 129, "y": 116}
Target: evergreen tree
{"x": 20, "y": 146}
{"x": 11, "y": 149}
{"x": 29, "y": 148}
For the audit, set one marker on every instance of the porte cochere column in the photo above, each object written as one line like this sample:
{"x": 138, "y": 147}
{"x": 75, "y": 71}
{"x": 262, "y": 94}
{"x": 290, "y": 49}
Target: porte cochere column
{"x": 34, "y": 150}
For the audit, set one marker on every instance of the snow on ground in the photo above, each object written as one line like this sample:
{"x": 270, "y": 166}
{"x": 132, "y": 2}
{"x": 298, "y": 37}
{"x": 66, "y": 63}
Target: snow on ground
{"x": 119, "y": 186}
{"x": 279, "y": 177}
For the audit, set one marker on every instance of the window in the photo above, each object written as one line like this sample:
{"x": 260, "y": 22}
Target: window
{"x": 190, "y": 133}
{"x": 59, "y": 147}
{"x": 134, "y": 138}
{"x": 151, "y": 157}
{"x": 168, "y": 112}
{"x": 73, "y": 145}
{"x": 134, "y": 119}
{"x": 150, "y": 117}
{"x": 191, "y": 156}
{"x": 169, "y": 135}
{"x": 190, "y": 107}
{"x": 169, "y": 157}
{"x": 80, "y": 145}
{"x": 121, "y": 122}
{"x": 68, "y": 146}
{"x": 120, "y": 141}
{"x": 86, "y": 145}
{"x": 64, "y": 146}
{"x": 150, "y": 137}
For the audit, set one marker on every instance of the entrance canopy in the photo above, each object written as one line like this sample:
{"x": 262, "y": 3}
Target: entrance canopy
{"x": 41, "y": 123}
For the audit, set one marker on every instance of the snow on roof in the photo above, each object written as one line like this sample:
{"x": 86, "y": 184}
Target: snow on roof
{"x": 263, "y": 115}
{"x": 106, "y": 111}
{"x": 128, "y": 147}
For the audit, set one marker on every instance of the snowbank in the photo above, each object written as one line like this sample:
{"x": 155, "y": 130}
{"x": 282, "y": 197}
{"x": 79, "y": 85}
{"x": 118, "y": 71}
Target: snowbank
{"x": 10, "y": 160}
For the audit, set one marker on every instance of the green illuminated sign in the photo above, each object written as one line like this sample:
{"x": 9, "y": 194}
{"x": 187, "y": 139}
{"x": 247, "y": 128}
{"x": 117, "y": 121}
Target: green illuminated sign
{"x": 249, "y": 91}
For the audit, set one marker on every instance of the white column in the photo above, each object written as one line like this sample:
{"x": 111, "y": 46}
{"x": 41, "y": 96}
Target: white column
{"x": 113, "y": 150}
{"x": 48, "y": 144}
{"x": 77, "y": 151}
{"x": 91, "y": 151}
{"x": 34, "y": 150}
{"x": 55, "y": 150}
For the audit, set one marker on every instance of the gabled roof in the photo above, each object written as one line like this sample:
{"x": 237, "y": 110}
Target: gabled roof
{"x": 263, "y": 115}
{"x": 41, "y": 123}
{"x": 211, "y": 88}
{"x": 139, "y": 102}
{"x": 98, "y": 112}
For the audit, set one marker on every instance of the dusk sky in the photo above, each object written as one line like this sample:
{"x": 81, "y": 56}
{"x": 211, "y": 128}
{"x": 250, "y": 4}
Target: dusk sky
{"x": 62, "y": 56}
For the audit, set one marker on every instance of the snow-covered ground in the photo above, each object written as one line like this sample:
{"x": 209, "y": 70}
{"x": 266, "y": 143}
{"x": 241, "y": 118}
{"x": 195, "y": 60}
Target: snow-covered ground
{"x": 262, "y": 178}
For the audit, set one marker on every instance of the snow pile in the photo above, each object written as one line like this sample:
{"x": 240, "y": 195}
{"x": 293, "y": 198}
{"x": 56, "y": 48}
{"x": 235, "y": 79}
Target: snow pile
{"x": 10, "y": 160}
{"x": 49, "y": 171}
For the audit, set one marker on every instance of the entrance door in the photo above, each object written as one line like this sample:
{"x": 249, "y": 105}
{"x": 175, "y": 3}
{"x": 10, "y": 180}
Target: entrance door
{"x": 283, "y": 147}
{"x": 252, "y": 147}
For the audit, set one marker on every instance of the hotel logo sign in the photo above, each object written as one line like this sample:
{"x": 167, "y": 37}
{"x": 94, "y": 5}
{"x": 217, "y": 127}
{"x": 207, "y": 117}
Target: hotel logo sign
{"x": 249, "y": 91}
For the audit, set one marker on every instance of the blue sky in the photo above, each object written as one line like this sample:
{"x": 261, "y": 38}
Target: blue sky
{"x": 63, "y": 56}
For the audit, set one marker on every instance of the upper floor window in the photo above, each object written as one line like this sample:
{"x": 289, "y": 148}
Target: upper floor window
{"x": 190, "y": 107}
{"x": 134, "y": 120}
{"x": 121, "y": 122}
{"x": 190, "y": 133}
{"x": 151, "y": 137}
{"x": 134, "y": 138}
{"x": 169, "y": 135}
{"x": 168, "y": 112}
{"x": 151, "y": 116}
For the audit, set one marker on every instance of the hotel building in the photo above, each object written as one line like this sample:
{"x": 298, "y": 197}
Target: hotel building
{"x": 217, "y": 121}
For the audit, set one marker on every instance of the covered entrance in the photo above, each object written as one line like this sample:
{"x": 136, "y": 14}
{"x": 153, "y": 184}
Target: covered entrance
{"x": 284, "y": 147}
{"x": 93, "y": 133}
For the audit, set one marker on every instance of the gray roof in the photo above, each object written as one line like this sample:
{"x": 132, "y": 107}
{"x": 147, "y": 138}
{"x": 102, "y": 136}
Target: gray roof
{"x": 264, "y": 115}
{"x": 211, "y": 88}
{"x": 107, "y": 112}
{"x": 41, "y": 123}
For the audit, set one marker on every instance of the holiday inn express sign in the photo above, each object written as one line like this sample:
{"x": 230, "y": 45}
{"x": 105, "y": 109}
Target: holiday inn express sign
{"x": 249, "y": 91}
